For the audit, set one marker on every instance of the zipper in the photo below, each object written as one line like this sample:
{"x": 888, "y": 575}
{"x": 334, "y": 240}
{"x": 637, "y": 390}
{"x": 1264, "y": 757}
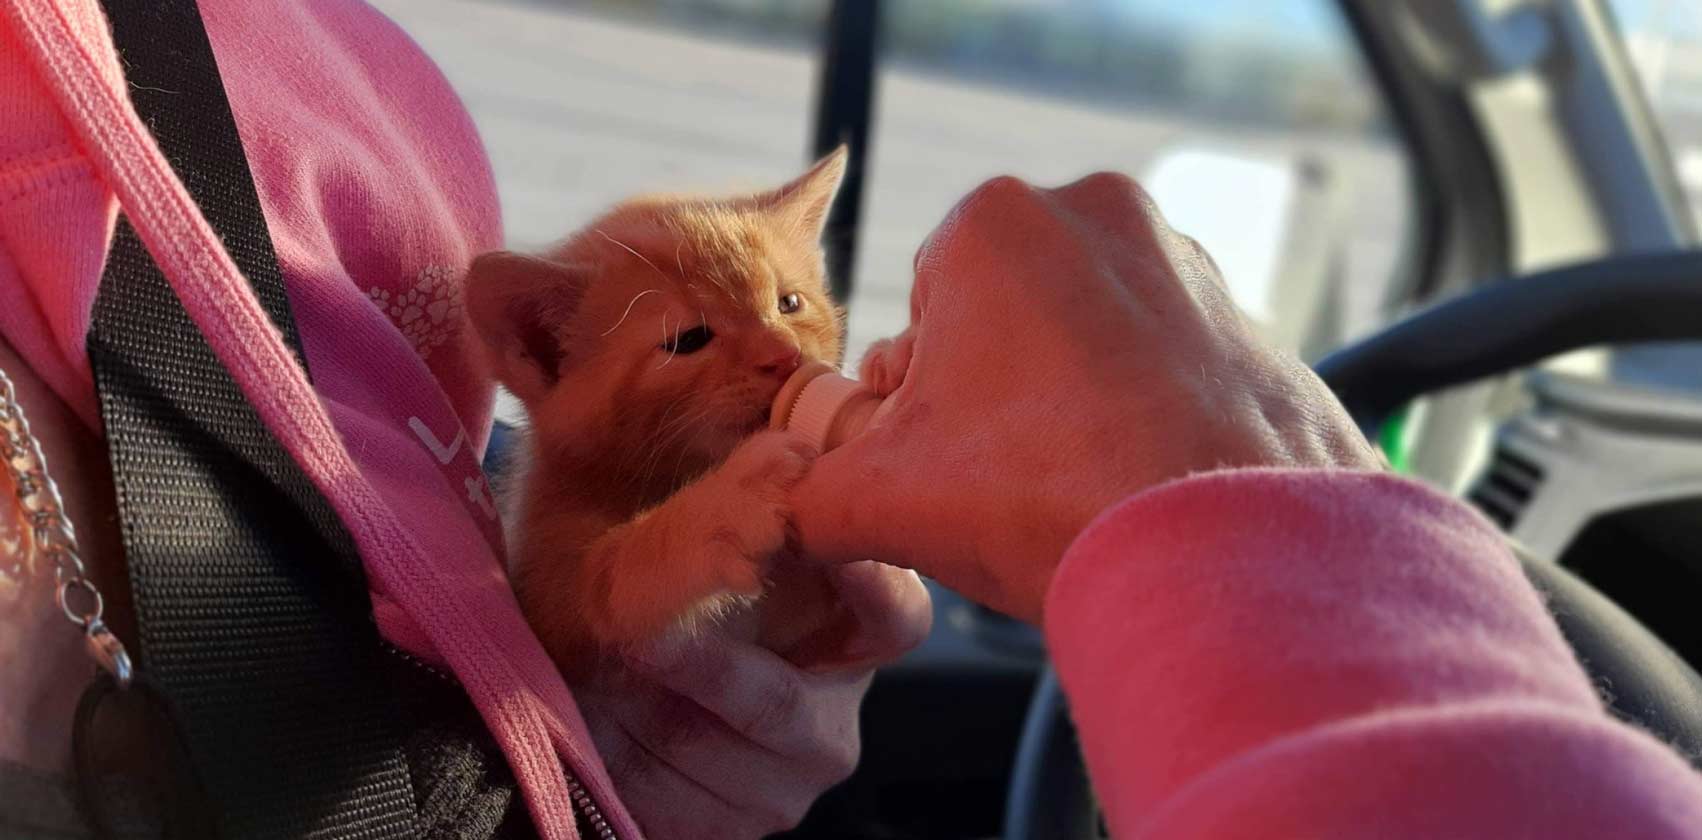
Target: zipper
{"x": 590, "y": 815}
{"x": 588, "y": 808}
{"x": 415, "y": 661}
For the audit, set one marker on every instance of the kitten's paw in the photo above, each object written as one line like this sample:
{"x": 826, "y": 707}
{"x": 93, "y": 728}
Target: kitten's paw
{"x": 752, "y": 512}
{"x": 884, "y": 365}
{"x": 767, "y": 464}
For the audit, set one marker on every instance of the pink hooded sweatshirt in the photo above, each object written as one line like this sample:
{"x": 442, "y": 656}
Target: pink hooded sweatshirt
{"x": 1249, "y": 654}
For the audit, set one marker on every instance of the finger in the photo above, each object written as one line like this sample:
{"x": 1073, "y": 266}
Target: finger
{"x": 1204, "y": 257}
{"x": 1113, "y": 195}
{"x": 753, "y": 691}
{"x": 1135, "y": 213}
{"x": 849, "y": 507}
{"x": 1110, "y": 195}
{"x": 877, "y": 613}
{"x": 982, "y": 209}
{"x": 666, "y": 801}
{"x": 872, "y": 366}
{"x": 1160, "y": 266}
{"x": 676, "y": 736}
{"x": 889, "y": 608}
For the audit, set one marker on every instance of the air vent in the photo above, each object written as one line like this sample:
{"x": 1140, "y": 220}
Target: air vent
{"x": 1506, "y": 488}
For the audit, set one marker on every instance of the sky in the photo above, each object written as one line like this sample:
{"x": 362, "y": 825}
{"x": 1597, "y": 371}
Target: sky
{"x": 1309, "y": 20}
{"x": 1678, "y": 18}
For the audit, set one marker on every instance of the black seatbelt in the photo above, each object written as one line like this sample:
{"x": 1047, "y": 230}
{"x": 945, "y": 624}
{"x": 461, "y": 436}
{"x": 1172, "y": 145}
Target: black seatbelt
{"x": 252, "y": 606}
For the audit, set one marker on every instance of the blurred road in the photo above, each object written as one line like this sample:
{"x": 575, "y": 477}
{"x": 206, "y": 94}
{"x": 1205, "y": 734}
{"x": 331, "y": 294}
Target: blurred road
{"x": 578, "y": 112}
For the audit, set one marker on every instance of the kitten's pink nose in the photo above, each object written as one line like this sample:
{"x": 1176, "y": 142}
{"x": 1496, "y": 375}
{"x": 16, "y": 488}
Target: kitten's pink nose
{"x": 778, "y": 358}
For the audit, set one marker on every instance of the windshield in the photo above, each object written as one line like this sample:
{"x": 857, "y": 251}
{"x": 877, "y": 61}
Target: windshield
{"x": 1664, "y": 41}
{"x": 583, "y": 104}
{"x": 1266, "y": 101}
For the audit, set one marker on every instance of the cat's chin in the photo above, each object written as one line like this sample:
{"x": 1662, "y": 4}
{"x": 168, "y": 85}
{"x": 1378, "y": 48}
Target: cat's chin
{"x": 713, "y": 451}
{"x": 737, "y": 431}
{"x": 731, "y": 435}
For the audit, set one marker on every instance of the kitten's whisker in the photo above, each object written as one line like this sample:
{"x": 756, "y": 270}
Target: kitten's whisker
{"x": 679, "y": 463}
{"x": 663, "y": 427}
{"x": 674, "y": 348}
{"x": 629, "y": 305}
{"x": 664, "y": 440}
{"x": 677, "y": 264}
{"x": 632, "y": 252}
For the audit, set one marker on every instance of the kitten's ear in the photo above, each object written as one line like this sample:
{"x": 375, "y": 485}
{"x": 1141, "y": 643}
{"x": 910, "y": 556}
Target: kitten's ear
{"x": 805, "y": 201}
{"x": 519, "y": 304}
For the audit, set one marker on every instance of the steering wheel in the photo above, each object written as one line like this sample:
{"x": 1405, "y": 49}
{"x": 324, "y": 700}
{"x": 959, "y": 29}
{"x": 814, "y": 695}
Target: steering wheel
{"x": 1497, "y": 329}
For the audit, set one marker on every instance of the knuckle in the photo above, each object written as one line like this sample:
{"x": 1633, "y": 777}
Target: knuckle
{"x": 1206, "y": 257}
{"x": 1117, "y": 192}
{"x": 994, "y": 197}
{"x": 675, "y": 726}
{"x": 1112, "y": 182}
{"x": 1130, "y": 192}
{"x": 1002, "y": 187}
{"x": 774, "y": 815}
{"x": 788, "y": 814}
{"x": 776, "y": 708}
{"x": 839, "y": 760}
{"x": 924, "y": 254}
{"x": 739, "y": 824}
{"x": 802, "y": 453}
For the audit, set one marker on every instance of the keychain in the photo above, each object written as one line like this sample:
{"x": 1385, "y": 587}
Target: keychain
{"x": 140, "y": 717}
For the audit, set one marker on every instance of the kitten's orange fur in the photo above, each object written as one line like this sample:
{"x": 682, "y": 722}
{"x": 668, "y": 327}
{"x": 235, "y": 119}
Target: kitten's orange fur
{"x": 648, "y": 493}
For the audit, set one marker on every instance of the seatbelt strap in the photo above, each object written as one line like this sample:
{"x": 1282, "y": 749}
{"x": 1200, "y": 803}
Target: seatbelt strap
{"x": 253, "y": 612}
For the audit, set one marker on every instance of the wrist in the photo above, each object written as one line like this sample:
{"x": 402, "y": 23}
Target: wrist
{"x": 1193, "y": 510}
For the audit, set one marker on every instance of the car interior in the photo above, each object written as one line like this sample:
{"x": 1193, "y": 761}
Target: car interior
{"x": 1475, "y": 219}
{"x": 1536, "y": 354}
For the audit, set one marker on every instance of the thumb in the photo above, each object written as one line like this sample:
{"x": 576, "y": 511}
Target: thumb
{"x": 850, "y": 505}
{"x": 884, "y": 612}
{"x": 890, "y": 608}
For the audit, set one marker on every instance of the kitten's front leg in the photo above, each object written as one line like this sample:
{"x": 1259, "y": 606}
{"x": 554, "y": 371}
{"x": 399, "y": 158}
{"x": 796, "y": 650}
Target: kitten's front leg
{"x": 712, "y": 540}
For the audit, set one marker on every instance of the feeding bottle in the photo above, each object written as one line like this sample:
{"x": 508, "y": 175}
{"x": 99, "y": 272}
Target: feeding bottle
{"x": 825, "y": 408}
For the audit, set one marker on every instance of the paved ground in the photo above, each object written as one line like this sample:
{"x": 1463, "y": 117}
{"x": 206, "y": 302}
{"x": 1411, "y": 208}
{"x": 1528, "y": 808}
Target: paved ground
{"x": 579, "y": 112}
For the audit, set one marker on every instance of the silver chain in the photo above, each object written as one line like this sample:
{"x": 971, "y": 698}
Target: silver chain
{"x": 53, "y": 537}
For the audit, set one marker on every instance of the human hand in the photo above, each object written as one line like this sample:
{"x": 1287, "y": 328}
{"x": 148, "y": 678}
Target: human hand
{"x": 886, "y": 361}
{"x": 1067, "y": 349}
{"x": 715, "y": 736}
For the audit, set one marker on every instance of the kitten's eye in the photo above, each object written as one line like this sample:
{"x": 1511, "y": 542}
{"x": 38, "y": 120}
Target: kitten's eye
{"x": 791, "y": 303}
{"x": 689, "y": 342}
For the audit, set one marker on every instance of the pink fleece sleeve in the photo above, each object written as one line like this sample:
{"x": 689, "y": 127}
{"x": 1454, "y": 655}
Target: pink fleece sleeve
{"x": 1333, "y": 654}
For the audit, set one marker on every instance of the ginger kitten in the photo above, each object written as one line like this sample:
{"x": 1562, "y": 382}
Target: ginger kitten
{"x": 647, "y": 349}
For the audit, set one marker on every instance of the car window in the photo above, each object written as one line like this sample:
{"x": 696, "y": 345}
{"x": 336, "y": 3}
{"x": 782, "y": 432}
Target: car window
{"x": 1664, "y": 41}
{"x": 581, "y": 105}
{"x": 1252, "y": 121}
